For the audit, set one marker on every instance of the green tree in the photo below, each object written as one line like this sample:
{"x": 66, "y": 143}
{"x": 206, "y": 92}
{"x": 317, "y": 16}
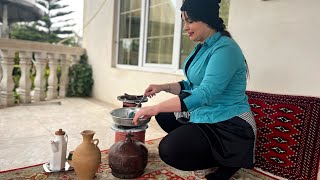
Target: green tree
{"x": 53, "y": 27}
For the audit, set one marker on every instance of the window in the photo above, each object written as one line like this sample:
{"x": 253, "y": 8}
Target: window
{"x": 151, "y": 35}
{"x": 129, "y": 36}
{"x": 161, "y": 22}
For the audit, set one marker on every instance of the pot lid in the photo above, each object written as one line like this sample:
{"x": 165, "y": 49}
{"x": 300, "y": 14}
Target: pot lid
{"x": 60, "y": 132}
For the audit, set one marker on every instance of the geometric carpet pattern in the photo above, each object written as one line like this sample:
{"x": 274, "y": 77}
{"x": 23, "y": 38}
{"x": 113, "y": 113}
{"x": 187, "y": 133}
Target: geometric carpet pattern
{"x": 288, "y": 134}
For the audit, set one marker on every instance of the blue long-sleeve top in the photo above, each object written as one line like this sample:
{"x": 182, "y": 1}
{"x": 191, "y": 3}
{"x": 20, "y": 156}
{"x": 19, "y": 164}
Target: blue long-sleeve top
{"x": 214, "y": 89}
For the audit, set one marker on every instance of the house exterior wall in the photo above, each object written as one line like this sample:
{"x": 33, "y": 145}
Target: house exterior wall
{"x": 281, "y": 43}
{"x": 279, "y": 39}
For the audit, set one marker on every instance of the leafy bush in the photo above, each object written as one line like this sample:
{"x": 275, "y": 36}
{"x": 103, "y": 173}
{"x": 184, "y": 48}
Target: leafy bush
{"x": 80, "y": 79}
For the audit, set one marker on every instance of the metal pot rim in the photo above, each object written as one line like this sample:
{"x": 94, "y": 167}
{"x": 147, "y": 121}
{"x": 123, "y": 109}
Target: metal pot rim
{"x": 120, "y": 116}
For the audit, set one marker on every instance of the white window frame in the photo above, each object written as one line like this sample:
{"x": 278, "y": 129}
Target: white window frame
{"x": 151, "y": 67}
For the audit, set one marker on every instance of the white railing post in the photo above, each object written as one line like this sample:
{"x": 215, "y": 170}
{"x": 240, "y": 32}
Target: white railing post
{"x": 7, "y": 83}
{"x": 64, "y": 79}
{"x": 53, "y": 77}
{"x": 8, "y": 47}
{"x": 25, "y": 83}
{"x": 39, "y": 92}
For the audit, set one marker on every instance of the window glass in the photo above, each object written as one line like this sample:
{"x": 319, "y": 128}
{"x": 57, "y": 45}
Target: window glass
{"x": 160, "y": 31}
{"x": 129, "y": 35}
{"x": 129, "y": 5}
{"x": 224, "y": 11}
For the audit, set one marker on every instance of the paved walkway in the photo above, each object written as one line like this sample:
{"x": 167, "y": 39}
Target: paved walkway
{"x": 26, "y": 131}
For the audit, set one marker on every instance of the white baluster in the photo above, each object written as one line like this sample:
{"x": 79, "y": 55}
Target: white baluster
{"x": 64, "y": 79}
{"x": 39, "y": 93}
{"x": 25, "y": 81}
{"x": 53, "y": 78}
{"x": 7, "y": 83}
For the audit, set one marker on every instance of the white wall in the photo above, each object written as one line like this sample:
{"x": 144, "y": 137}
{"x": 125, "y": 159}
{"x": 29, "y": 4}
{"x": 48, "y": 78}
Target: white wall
{"x": 100, "y": 42}
{"x": 282, "y": 44}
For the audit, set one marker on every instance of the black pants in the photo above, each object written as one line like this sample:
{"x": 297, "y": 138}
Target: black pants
{"x": 186, "y": 147}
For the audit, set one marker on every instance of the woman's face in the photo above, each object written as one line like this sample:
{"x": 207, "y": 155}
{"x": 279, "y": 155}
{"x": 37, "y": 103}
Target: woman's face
{"x": 196, "y": 30}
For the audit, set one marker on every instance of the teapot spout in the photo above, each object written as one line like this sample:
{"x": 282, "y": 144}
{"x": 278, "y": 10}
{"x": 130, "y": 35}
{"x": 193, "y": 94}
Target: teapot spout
{"x": 54, "y": 146}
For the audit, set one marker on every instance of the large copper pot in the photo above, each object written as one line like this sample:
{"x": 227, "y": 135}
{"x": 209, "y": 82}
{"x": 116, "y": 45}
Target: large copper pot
{"x": 128, "y": 159}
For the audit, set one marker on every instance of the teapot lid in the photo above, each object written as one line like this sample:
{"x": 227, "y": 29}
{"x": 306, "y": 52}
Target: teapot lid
{"x": 60, "y": 132}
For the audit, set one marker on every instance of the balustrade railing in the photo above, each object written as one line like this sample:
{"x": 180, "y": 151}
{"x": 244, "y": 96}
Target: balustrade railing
{"x": 41, "y": 57}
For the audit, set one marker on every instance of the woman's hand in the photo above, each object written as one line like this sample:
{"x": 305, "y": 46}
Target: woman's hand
{"x": 153, "y": 89}
{"x": 145, "y": 112}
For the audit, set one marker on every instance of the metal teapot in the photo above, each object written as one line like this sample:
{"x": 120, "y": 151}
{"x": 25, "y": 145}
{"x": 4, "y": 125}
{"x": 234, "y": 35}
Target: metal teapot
{"x": 59, "y": 150}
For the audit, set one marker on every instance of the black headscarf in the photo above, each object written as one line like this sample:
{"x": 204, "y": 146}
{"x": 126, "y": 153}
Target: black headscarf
{"x": 206, "y": 11}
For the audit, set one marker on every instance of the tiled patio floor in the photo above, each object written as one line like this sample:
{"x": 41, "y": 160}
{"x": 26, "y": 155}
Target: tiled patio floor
{"x": 26, "y": 131}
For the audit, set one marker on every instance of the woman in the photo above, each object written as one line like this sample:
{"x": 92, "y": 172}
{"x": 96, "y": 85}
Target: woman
{"x": 220, "y": 130}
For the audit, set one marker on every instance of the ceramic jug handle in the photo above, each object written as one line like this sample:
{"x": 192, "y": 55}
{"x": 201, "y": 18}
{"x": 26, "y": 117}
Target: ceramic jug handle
{"x": 97, "y": 142}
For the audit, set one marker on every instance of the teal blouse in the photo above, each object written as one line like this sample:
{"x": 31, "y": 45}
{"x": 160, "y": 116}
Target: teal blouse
{"x": 216, "y": 81}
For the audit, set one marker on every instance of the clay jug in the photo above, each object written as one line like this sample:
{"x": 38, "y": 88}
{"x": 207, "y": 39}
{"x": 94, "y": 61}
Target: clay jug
{"x": 128, "y": 159}
{"x": 86, "y": 157}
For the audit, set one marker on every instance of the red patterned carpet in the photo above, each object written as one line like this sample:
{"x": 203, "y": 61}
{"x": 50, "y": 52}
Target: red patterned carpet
{"x": 288, "y": 143}
{"x": 156, "y": 169}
